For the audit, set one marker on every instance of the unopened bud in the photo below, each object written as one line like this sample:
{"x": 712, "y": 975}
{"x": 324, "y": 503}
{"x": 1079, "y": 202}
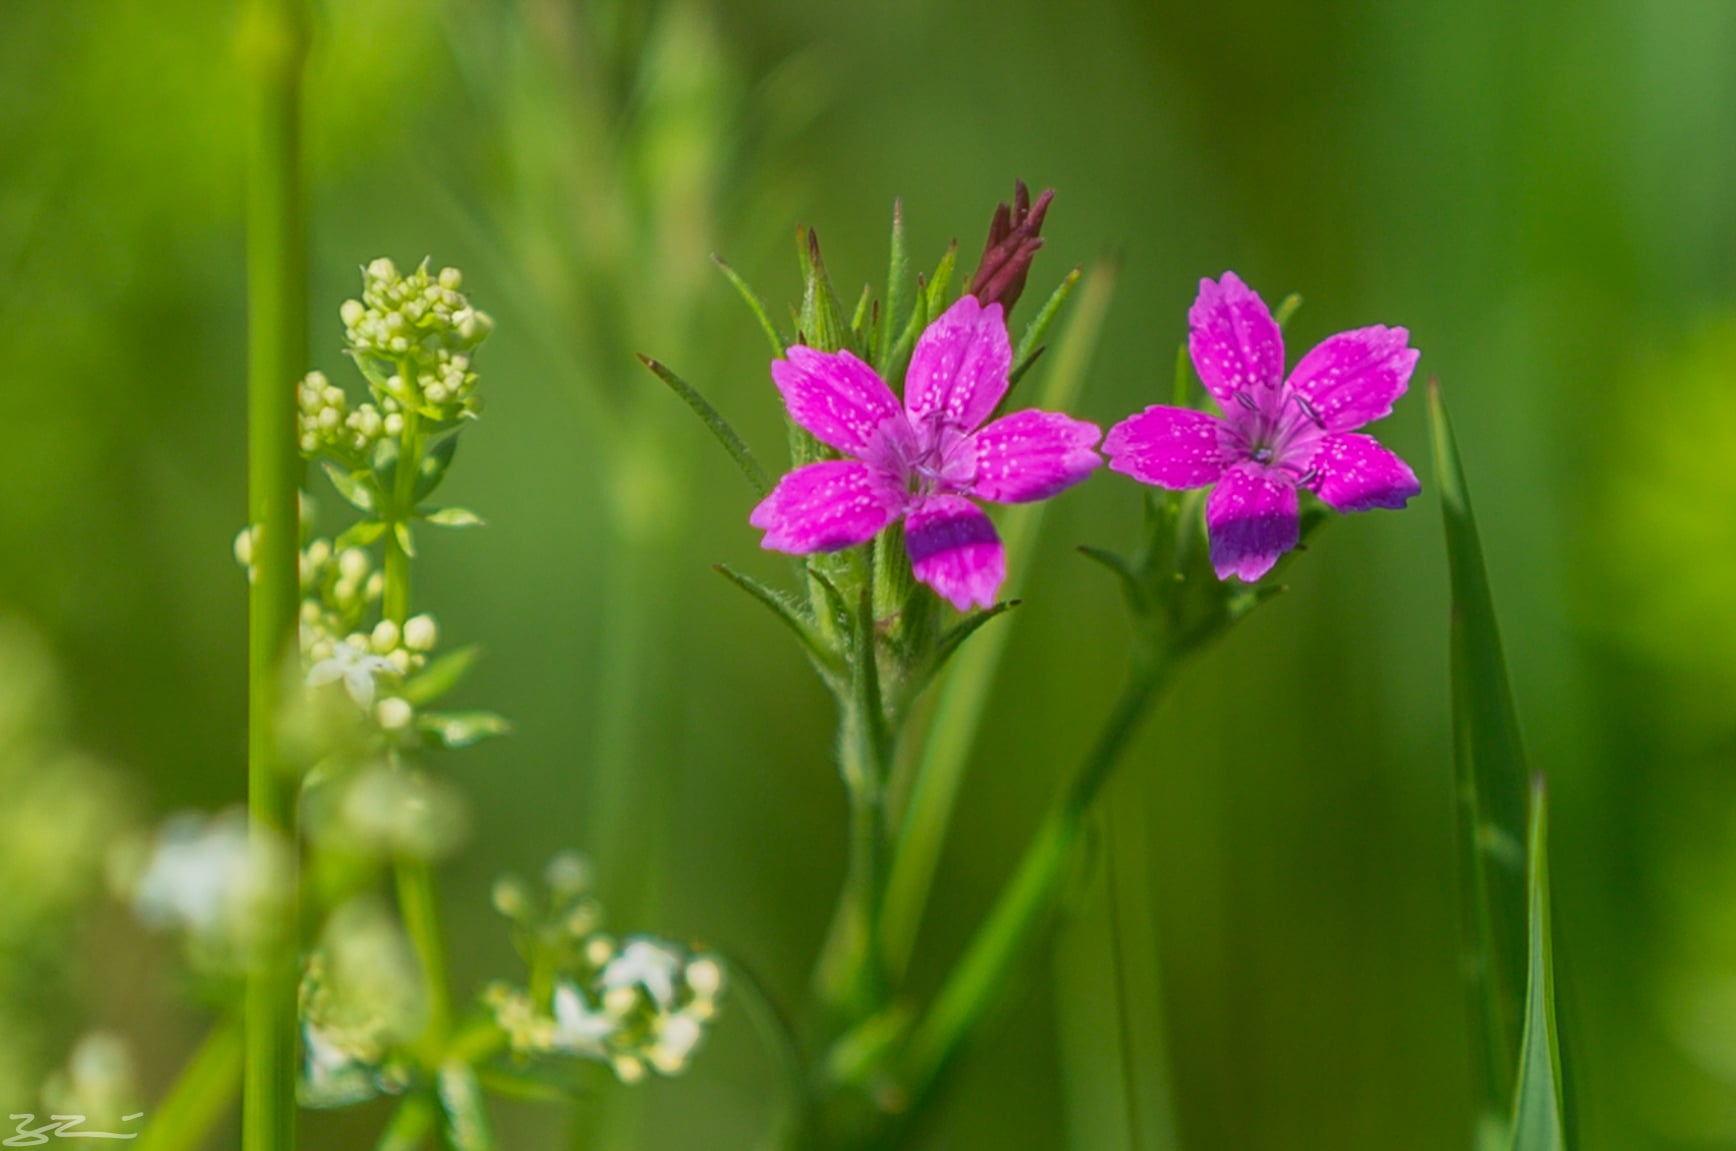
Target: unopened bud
{"x": 421, "y": 633}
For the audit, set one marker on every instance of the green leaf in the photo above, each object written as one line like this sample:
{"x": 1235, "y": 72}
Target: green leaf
{"x": 756, "y": 305}
{"x": 951, "y": 640}
{"x": 1287, "y": 308}
{"x": 453, "y": 729}
{"x": 860, "y": 319}
{"x": 1539, "y": 1101}
{"x": 440, "y": 676}
{"x": 1491, "y": 778}
{"x": 783, "y": 606}
{"x": 726, "y": 435}
{"x": 359, "y": 535}
{"x": 467, "y": 1123}
{"x": 1031, "y": 343}
{"x": 349, "y": 486}
{"x": 384, "y": 463}
{"x": 822, "y": 316}
{"x": 1131, "y": 586}
{"x": 454, "y": 518}
{"x": 1183, "y": 395}
{"x": 405, "y": 537}
{"x": 941, "y": 281}
{"x": 433, "y": 467}
{"x": 897, "y": 291}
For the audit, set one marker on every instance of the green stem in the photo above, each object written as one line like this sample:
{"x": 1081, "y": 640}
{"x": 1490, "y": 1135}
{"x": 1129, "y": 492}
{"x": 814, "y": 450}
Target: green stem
{"x": 273, "y": 48}
{"x": 205, "y": 1089}
{"x": 420, "y": 908}
{"x": 939, "y": 773}
{"x": 410, "y": 1125}
{"x": 1028, "y": 898}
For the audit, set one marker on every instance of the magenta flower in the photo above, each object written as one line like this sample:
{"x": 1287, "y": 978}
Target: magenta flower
{"x": 922, "y": 462}
{"x": 1276, "y": 435}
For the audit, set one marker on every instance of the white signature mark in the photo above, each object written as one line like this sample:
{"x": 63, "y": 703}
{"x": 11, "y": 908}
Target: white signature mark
{"x": 61, "y": 1127}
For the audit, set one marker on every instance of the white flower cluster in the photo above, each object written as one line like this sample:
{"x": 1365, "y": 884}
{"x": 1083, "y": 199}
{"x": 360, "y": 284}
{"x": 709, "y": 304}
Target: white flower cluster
{"x": 213, "y": 878}
{"x": 640, "y": 1004}
{"x": 421, "y": 324}
{"x": 362, "y": 997}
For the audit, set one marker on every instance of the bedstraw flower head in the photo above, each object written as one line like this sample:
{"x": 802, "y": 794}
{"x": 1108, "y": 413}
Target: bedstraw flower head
{"x": 923, "y": 462}
{"x": 1277, "y": 436}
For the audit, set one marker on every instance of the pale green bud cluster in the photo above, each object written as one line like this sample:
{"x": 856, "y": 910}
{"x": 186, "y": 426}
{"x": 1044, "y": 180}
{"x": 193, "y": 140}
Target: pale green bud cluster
{"x": 639, "y": 1004}
{"x": 382, "y": 811}
{"x": 423, "y": 328}
{"x": 362, "y": 999}
{"x": 99, "y": 1081}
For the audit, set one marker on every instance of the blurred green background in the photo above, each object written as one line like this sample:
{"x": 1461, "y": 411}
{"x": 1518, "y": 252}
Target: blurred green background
{"x": 1545, "y": 194}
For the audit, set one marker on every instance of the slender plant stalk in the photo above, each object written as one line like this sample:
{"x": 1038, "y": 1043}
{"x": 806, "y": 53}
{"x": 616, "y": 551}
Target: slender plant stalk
{"x": 1029, "y": 896}
{"x": 273, "y": 48}
{"x": 964, "y": 695}
{"x": 205, "y": 1090}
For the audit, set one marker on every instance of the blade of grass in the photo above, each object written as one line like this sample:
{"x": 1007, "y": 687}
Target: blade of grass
{"x": 1490, "y": 776}
{"x": 1539, "y": 1110}
{"x": 934, "y": 781}
{"x": 720, "y": 427}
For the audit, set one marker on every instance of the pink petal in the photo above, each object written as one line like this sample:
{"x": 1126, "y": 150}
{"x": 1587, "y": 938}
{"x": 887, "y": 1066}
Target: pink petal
{"x": 838, "y": 398}
{"x": 1234, "y": 341}
{"x": 826, "y": 506}
{"x": 1251, "y": 519}
{"x": 1357, "y": 474}
{"x": 958, "y": 372}
{"x": 1173, "y": 448}
{"x": 1032, "y": 455}
{"x": 1353, "y": 378}
{"x": 954, "y": 550}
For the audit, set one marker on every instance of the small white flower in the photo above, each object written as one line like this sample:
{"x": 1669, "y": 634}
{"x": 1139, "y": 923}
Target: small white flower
{"x": 355, "y": 666}
{"x": 578, "y": 1029}
{"x": 643, "y": 963}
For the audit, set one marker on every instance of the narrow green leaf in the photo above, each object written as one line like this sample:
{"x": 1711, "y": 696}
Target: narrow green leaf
{"x": 1539, "y": 1108}
{"x": 1490, "y": 775}
{"x": 454, "y": 518}
{"x": 453, "y": 729}
{"x": 349, "y": 487}
{"x": 1131, "y": 587}
{"x": 897, "y": 290}
{"x": 942, "y": 280}
{"x": 384, "y": 463}
{"x": 433, "y": 467}
{"x": 755, "y": 305}
{"x": 359, "y": 535}
{"x": 822, "y": 316}
{"x": 726, "y": 435}
{"x": 1031, "y": 343}
{"x": 786, "y": 609}
{"x": 440, "y": 676}
{"x": 405, "y": 537}
{"x": 951, "y": 640}
{"x": 410, "y": 1125}
{"x": 1287, "y": 308}
{"x": 859, "y": 318}
{"x": 1183, "y": 395}
{"x": 467, "y": 1123}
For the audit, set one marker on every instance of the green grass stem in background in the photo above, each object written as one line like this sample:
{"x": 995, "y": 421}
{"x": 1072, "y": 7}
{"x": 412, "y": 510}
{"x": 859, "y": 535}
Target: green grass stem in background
{"x": 1539, "y": 1100}
{"x": 273, "y": 50}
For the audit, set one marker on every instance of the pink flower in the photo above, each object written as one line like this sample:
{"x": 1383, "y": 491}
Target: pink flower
{"x": 1276, "y": 435}
{"x": 921, "y": 461}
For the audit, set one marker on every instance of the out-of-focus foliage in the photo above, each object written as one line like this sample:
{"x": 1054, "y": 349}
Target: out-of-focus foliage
{"x": 1540, "y": 192}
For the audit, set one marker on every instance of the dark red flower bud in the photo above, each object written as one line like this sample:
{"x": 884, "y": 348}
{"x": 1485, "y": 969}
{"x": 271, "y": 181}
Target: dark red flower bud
{"x": 1013, "y": 242}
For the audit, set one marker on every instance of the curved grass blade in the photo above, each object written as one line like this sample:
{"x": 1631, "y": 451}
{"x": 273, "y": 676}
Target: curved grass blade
{"x": 756, "y": 305}
{"x": 786, "y": 609}
{"x": 1539, "y": 1099}
{"x": 1491, "y": 778}
{"x": 726, "y": 435}
{"x": 1031, "y": 343}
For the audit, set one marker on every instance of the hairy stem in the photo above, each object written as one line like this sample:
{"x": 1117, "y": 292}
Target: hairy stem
{"x": 273, "y": 47}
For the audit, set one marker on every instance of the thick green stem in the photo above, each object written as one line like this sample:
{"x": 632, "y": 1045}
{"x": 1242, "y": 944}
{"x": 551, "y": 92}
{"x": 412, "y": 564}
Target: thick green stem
{"x": 273, "y": 47}
{"x": 205, "y": 1090}
{"x": 1028, "y": 898}
{"x": 420, "y": 907}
